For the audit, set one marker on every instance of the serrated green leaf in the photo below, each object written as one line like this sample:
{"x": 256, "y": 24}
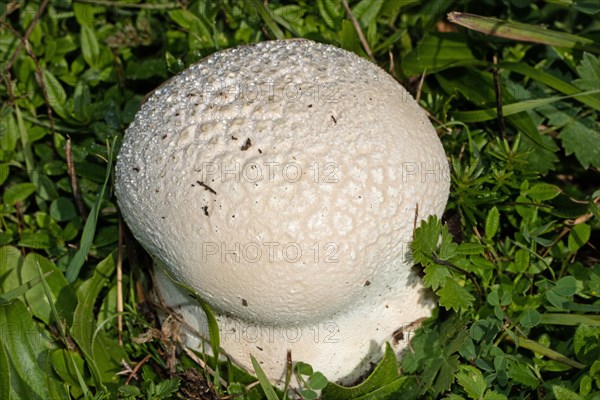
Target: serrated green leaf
{"x": 454, "y": 296}
{"x": 562, "y": 393}
{"x": 491, "y": 395}
{"x": 587, "y": 343}
{"x": 446, "y": 371}
{"x": 166, "y": 388}
{"x": 579, "y": 236}
{"x": 581, "y": 137}
{"x": 426, "y": 240}
{"x": 492, "y": 222}
{"x": 435, "y": 276}
{"x": 471, "y": 379}
{"x": 522, "y": 374}
{"x": 589, "y": 72}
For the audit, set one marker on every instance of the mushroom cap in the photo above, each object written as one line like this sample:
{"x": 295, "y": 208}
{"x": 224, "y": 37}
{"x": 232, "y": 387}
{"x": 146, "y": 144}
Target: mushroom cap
{"x": 282, "y": 182}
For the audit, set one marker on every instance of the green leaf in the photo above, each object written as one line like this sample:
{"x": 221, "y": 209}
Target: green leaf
{"x": 562, "y": 393}
{"x": 404, "y": 386}
{"x": 444, "y": 371}
{"x": 454, "y": 296}
{"x": 565, "y": 286}
{"x": 62, "y": 294}
{"x": 522, "y": 374}
{"x": 317, "y": 381}
{"x": 530, "y": 318}
{"x": 62, "y": 362}
{"x": 26, "y": 349}
{"x": 491, "y": 395}
{"x": 437, "y": 52}
{"x": 85, "y": 13}
{"x": 579, "y": 235}
{"x": 57, "y": 96}
{"x": 62, "y": 209}
{"x": 587, "y": 343}
{"x": 589, "y": 73}
{"x": 435, "y": 276}
{"x": 543, "y": 191}
{"x": 471, "y": 379}
{"x": 308, "y": 394}
{"x": 264, "y": 381}
{"x": 492, "y": 222}
{"x": 303, "y": 368}
{"x": 581, "y": 137}
{"x": 426, "y": 240}
{"x": 9, "y": 296}
{"x": 17, "y": 193}
{"x": 89, "y": 46}
{"x": 166, "y": 388}
{"x": 385, "y": 372}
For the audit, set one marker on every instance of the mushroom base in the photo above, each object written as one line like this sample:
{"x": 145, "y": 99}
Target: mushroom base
{"x": 343, "y": 348}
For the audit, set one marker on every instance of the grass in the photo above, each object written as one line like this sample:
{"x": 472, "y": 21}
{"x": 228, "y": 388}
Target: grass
{"x": 513, "y": 90}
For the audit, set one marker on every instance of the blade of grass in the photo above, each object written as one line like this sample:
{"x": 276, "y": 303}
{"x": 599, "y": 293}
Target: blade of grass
{"x": 4, "y": 374}
{"x": 522, "y": 32}
{"x": 262, "y": 378}
{"x": 13, "y": 294}
{"x": 213, "y": 327}
{"x": 570, "y": 319}
{"x": 543, "y": 350}
{"x": 265, "y": 15}
{"x": 551, "y": 81}
{"x": 61, "y": 328}
{"x": 84, "y": 321}
{"x": 89, "y": 229}
{"x": 514, "y": 108}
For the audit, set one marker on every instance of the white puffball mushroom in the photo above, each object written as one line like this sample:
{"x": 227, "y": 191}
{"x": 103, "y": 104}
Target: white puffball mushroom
{"x": 282, "y": 182}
